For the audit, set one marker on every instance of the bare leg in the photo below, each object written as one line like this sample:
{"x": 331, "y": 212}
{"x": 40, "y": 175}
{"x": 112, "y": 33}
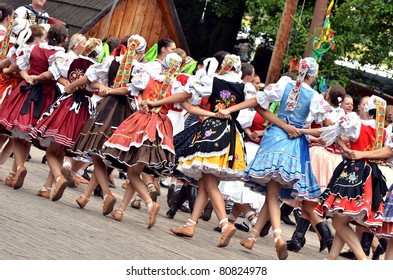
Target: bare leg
{"x": 19, "y": 148}
{"x": 341, "y": 225}
{"x": 134, "y": 175}
{"x": 389, "y": 250}
{"x": 6, "y": 152}
{"x": 119, "y": 212}
{"x": 200, "y": 203}
{"x": 55, "y": 156}
{"x": 227, "y": 229}
{"x": 272, "y": 196}
{"x": 263, "y": 216}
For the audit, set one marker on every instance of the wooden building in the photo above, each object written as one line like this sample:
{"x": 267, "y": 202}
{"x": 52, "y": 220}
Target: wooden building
{"x": 152, "y": 19}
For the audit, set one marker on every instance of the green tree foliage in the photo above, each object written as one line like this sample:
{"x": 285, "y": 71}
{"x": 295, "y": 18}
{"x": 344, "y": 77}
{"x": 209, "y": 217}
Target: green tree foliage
{"x": 363, "y": 32}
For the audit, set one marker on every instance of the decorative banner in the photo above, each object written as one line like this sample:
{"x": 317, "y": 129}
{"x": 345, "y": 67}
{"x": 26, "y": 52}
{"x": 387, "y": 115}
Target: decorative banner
{"x": 6, "y": 41}
{"x": 380, "y": 105}
{"x": 174, "y": 63}
{"x": 124, "y": 73}
{"x": 326, "y": 41}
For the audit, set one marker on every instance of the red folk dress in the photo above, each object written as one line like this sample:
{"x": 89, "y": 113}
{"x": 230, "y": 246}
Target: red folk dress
{"x": 351, "y": 190}
{"x": 144, "y": 138}
{"x": 64, "y": 120}
{"x": 26, "y": 104}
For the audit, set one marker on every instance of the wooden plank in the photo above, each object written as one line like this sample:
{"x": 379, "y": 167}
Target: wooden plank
{"x": 139, "y": 17}
{"x": 172, "y": 22}
{"x": 128, "y": 18}
{"x": 149, "y": 19}
{"x": 155, "y": 33}
{"x": 167, "y": 18}
{"x": 95, "y": 30}
{"x": 97, "y": 19}
{"x": 117, "y": 17}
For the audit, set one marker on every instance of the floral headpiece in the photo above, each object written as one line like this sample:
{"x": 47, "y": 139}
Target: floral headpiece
{"x": 173, "y": 61}
{"x": 230, "y": 62}
{"x": 379, "y": 105}
{"x": 77, "y": 40}
{"x": 124, "y": 73}
{"x": 307, "y": 66}
{"x": 93, "y": 44}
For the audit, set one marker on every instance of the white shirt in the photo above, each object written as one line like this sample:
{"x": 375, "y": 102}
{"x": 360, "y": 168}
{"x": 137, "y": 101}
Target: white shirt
{"x": 22, "y": 12}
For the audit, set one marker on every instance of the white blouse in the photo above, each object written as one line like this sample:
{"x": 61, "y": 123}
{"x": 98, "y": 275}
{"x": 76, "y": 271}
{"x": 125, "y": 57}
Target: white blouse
{"x": 203, "y": 87}
{"x": 319, "y": 107}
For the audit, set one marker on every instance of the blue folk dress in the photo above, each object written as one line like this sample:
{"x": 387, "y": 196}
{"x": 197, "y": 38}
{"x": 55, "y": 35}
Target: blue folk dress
{"x": 279, "y": 157}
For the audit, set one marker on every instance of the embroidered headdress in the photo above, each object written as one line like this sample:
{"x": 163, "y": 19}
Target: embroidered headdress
{"x": 379, "y": 105}
{"x": 6, "y": 41}
{"x": 307, "y": 66}
{"x": 135, "y": 44}
{"x": 231, "y": 62}
{"x": 93, "y": 44}
{"x": 172, "y": 62}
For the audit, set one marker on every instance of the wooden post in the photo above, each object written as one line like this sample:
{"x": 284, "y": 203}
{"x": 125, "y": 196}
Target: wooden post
{"x": 316, "y": 25}
{"x": 281, "y": 43}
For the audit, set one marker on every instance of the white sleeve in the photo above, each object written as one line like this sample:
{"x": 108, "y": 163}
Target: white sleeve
{"x": 249, "y": 91}
{"x": 59, "y": 64}
{"x": 99, "y": 72}
{"x": 199, "y": 89}
{"x": 245, "y": 117}
{"x": 23, "y": 61}
{"x": 389, "y": 136}
{"x": 154, "y": 68}
{"x": 272, "y": 92}
{"x": 140, "y": 79}
{"x": 319, "y": 108}
{"x": 348, "y": 126}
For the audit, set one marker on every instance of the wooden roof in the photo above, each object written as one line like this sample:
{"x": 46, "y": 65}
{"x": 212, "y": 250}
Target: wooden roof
{"x": 152, "y": 19}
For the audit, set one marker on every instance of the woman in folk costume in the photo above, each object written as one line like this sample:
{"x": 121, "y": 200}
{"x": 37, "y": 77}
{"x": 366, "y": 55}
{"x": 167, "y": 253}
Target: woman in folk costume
{"x": 30, "y": 99}
{"x": 356, "y": 190}
{"x": 367, "y": 239}
{"x": 27, "y": 39}
{"x": 245, "y": 200}
{"x": 115, "y": 106}
{"x": 217, "y": 150}
{"x": 183, "y": 140}
{"x": 9, "y": 76}
{"x": 324, "y": 160}
{"x": 143, "y": 143}
{"x": 282, "y": 165}
{"x": 386, "y": 231}
{"x": 61, "y": 124}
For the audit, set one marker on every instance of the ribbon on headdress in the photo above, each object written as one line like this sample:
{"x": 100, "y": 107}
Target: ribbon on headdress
{"x": 76, "y": 41}
{"x": 152, "y": 53}
{"x": 6, "y": 41}
{"x": 230, "y": 62}
{"x": 23, "y": 36}
{"x": 379, "y": 105}
{"x": 104, "y": 53}
{"x": 93, "y": 44}
{"x": 124, "y": 72}
{"x": 173, "y": 61}
{"x": 307, "y": 66}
